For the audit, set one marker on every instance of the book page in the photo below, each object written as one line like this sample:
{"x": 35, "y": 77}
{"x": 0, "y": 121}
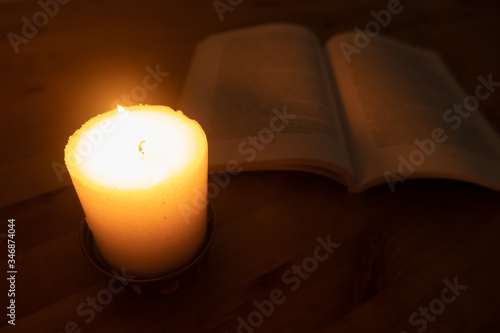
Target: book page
{"x": 407, "y": 115}
{"x": 264, "y": 99}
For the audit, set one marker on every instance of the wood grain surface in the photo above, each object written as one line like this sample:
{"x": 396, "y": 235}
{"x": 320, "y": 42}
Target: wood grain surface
{"x": 397, "y": 252}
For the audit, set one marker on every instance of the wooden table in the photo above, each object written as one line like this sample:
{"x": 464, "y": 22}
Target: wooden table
{"x": 397, "y": 254}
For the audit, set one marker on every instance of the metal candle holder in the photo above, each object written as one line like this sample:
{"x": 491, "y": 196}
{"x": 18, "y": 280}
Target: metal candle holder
{"x": 163, "y": 285}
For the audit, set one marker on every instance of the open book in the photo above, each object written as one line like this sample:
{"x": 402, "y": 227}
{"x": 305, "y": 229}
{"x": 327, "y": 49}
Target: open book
{"x": 361, "y": 110}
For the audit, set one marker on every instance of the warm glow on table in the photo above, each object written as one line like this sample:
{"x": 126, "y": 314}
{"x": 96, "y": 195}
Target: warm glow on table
{"x": 133, "y": 171}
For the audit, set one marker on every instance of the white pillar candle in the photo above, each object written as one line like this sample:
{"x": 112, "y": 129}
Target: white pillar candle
{"x": 133, "y": 170}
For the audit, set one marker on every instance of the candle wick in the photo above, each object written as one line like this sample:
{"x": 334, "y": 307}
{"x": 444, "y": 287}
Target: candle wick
{"x": 140, "y": 146}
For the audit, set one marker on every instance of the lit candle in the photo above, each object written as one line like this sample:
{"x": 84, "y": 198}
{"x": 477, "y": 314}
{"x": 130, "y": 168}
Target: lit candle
{"x": 133, "y": 170}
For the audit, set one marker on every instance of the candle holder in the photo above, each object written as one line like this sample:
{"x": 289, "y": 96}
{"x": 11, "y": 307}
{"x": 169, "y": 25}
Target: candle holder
{"x": 164, "y": 285}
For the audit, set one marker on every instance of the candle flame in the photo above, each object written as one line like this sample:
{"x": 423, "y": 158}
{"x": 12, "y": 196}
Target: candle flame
{"x": 122, "y": 112}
